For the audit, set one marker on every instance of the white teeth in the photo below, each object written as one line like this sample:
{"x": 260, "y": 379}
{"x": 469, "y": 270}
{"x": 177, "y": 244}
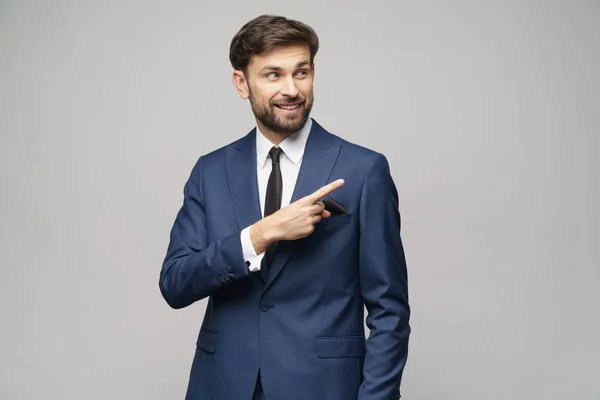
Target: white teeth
{"x": 290, "y": 107}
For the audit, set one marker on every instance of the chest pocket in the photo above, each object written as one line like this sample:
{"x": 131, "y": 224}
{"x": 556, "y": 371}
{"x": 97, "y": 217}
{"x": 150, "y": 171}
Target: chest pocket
{"x": 334, "y": 220}
{"x": 327, "y": 231}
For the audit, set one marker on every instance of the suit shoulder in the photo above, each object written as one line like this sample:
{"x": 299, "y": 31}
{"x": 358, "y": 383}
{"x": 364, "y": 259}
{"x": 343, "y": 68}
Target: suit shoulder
{"x": 216, "y": 158}
{"x": 360, "y": 154}
{"x": 219, "y": 153}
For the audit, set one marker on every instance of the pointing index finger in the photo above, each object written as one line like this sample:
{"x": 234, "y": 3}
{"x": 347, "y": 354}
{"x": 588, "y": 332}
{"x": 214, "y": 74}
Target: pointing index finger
{"x": 325, "y": 190}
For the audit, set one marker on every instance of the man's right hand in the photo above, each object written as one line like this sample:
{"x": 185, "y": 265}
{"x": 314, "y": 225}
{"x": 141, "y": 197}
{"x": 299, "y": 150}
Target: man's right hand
{"x": 294, "y": 221}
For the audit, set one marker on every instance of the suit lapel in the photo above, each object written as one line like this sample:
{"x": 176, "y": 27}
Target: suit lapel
{"x": 240, "y": 166}
{"x": 320, "y": 155}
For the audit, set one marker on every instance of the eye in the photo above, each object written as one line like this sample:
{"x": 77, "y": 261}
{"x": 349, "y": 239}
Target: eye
{"x": 272, "y": 75}
{"x": 302, "y": 72}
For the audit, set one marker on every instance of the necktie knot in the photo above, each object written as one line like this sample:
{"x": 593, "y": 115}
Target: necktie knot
{"x": 275, "y": 152}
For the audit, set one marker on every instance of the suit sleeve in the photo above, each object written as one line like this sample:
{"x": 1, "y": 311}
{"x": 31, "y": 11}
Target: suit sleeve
{"x": 193, "y": 268}
{"x": 384, "y": 285}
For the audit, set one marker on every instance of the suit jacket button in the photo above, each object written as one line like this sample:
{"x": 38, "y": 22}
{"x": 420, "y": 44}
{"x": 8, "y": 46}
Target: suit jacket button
{"x": 264, "y": 306}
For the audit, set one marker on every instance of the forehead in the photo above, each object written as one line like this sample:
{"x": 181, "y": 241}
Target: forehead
{"x": 281, "y": 57}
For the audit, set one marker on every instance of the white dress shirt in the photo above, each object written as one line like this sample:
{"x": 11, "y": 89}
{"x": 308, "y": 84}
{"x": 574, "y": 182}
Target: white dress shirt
{"x": 290, "y": 162}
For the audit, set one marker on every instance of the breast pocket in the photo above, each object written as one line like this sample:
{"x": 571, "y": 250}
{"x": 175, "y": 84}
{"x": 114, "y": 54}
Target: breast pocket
{"x": 334, "y": 220}
{"x": 315, "y": 248}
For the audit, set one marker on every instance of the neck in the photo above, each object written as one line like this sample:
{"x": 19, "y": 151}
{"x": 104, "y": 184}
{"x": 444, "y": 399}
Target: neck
{"x": 274, "y": 137}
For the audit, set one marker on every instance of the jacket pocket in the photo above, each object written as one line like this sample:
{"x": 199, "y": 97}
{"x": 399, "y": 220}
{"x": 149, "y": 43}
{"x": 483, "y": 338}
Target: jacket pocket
{"x": 338, "y": 219}
{"x": 207, "y": 341}
{"x": 340, "y": 347}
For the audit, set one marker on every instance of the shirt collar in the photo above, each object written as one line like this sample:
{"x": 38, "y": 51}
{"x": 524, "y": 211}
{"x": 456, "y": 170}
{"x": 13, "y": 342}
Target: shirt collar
{"x": 293, "y": 145}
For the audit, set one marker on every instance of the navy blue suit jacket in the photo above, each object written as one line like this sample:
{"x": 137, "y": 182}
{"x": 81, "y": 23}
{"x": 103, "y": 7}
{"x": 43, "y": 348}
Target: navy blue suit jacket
{"x": 303, "y": 326}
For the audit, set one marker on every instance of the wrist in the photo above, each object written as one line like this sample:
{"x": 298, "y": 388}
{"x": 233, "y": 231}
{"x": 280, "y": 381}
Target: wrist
{"x": 262, "y": 235}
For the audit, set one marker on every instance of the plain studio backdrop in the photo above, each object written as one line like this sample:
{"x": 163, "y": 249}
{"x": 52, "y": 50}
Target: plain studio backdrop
{"x": 488, "y": 112}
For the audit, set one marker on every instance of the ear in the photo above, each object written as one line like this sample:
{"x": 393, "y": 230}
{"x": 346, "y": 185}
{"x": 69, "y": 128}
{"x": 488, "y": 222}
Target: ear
{"x": 240, "y": 83}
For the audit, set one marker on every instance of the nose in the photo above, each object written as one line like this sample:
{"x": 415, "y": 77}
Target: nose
{"x": 288, "y": 88}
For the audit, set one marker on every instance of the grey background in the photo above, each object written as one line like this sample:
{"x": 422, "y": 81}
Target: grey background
{"x": 487, "y": 110}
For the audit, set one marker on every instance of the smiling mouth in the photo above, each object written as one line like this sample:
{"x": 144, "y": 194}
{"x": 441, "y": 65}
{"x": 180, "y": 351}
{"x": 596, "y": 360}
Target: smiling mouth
{"x": 288, "y": 106}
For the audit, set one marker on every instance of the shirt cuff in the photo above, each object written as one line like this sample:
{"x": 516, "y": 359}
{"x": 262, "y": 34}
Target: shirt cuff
{"x": 252, "y": 259}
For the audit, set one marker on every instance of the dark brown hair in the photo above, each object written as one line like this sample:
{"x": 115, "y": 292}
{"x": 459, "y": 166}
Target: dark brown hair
{"x": 266, "y": 32}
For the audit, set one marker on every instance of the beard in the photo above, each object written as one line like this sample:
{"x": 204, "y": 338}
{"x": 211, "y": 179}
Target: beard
{"x": 266, "y": 115}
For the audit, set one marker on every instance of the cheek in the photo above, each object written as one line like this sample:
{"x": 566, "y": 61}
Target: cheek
{"x": 269, "y": 96}
{"x": 262, "y": 94}
{"x": 262, "y": 101}
{"x": 306, "y": 89}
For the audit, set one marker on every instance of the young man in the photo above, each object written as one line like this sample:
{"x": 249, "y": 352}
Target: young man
{"x": 290, "y": 231}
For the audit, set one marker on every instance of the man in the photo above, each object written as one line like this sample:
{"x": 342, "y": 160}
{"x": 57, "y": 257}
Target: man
{"x": 290, "y": 231}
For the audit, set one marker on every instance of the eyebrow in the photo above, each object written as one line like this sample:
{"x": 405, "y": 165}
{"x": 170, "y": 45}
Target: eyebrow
{"x": 275, "y": 68}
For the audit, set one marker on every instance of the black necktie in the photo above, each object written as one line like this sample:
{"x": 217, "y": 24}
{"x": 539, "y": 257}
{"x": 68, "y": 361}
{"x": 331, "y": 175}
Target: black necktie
{"x": 273, "y": 197}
